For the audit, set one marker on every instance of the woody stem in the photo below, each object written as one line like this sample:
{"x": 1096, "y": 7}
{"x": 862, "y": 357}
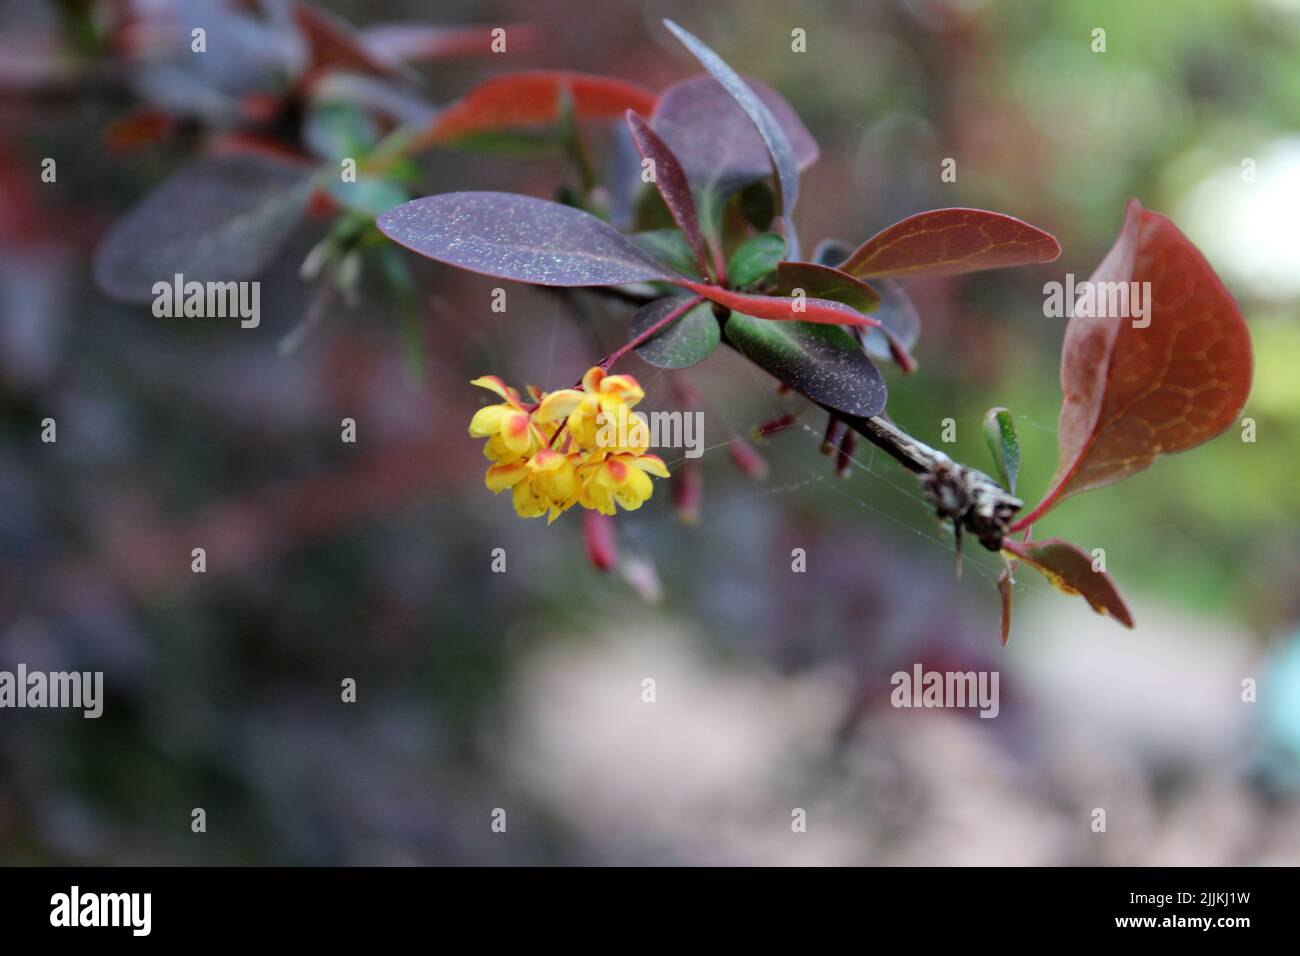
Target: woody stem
{"x": 964, "y": 495}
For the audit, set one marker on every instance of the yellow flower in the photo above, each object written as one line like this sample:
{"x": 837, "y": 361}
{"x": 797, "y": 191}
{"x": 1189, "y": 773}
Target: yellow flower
{"x": 601, "y": 394}
{"x": 510, "y": 431}
{"x": 573, "y": 446}
{"x": 620, "y": 479}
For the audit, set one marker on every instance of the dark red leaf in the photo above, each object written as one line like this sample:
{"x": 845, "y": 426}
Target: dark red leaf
{"x": 1070, "y": 570}
{"x": 671, "y": 183}
{"x": 950, "y": 241}
{"x": 1134, "y": 393}
{"x": 533, "y": 98}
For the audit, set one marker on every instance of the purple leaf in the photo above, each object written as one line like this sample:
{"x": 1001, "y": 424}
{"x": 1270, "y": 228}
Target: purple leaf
{"x": 520, "y": 238}
{"x": 716, "y": 143}
{"x": 671, "y": 183}
{"x": 686, "y": 341}
{"x": 898, "y": 317}
{"x": 218, "y": 218}
{"x": 778, "y": 145}
{"x": 897, "y": 314}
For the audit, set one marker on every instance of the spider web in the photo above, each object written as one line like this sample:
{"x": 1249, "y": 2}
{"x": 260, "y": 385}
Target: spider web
{"x": 902, "y": 490}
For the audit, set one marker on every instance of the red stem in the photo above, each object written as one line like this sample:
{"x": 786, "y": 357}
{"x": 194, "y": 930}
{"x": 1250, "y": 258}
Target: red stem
{"x": 651, "y": 332}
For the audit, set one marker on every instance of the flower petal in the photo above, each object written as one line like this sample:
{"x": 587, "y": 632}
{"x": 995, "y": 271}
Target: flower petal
{"x": 623, "y": 386}
{"x": 515, "y": 432}
{"x": 527, "y": 504}
{"x": 639, "y": 487}
{"x": 651, "y": 463}
{"x": 558, "y": 405}
{"x": 501, "y": 477}
{"x": 613, "y": 474}
{"x": 494, "y": 384}
{"x": 487, "y": 420}
{"x": 546, "y": 460}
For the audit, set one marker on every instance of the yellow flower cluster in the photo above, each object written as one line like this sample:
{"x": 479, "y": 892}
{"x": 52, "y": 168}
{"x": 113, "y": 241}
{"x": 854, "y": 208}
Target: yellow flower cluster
{"x": 574, "y": 446}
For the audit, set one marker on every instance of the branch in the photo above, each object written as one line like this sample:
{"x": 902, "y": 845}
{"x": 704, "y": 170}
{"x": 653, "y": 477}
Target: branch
{"x": 966, "y": 496}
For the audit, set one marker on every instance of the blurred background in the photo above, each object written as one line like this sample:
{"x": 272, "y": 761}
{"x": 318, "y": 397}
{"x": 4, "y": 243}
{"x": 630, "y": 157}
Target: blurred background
{"x": 522, "y": 690}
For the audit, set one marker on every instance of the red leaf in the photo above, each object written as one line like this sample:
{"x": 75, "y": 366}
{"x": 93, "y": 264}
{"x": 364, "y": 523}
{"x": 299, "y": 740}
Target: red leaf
{"x": 779, "y": 308}
{"x": 532, "y": 98}
{"x": 1070, "y": 570}
{"x": 671, "y": 183}
{"x": 336, "y": 44}
{"x": 1132, "y": 394}
{"x": 950, "y": 241}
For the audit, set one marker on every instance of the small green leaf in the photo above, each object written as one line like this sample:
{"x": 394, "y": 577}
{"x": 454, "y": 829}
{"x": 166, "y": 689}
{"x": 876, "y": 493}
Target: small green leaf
{"x": 755, "y": 258}
{"x": 369, "y": 195}
{"x": 1000, "y": 433}
{"x": 822, "y": 362}
{"x": 687, "y": 341}
{"x": 668, "y": 246}
{"x": 339, "y": 130}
